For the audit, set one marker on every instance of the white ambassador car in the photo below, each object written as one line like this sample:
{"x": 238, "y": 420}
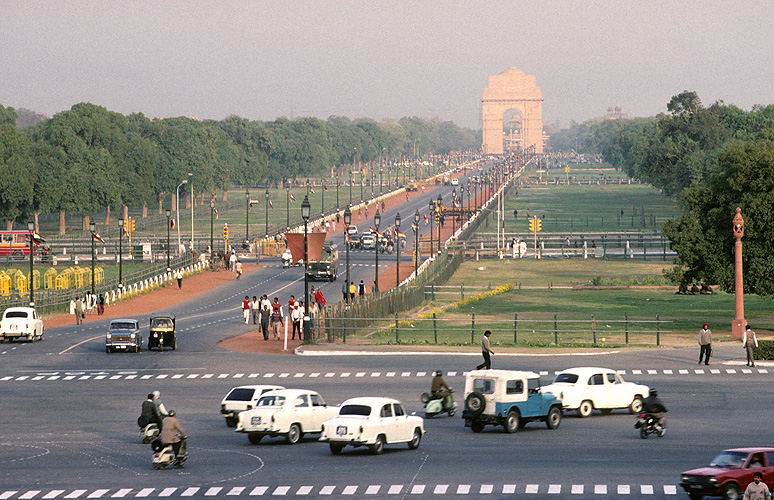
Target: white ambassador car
{"x": 585, "y": 389}
{"x": 21, "y": 323}
{"x": 372, "y": 422}
{"x": 286, "y": 412}
{"x": 242, "y": 398}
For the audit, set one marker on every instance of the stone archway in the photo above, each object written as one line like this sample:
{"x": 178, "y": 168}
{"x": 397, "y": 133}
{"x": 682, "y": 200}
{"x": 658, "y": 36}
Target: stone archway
{"x": 512, "y": 89}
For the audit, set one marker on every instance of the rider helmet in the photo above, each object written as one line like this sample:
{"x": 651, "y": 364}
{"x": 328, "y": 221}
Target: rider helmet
{"x": 653, "y": 392}
{"x": 156, "y": 394}
{"x": 171, "y": 413}
{"x": 438, "y": 373}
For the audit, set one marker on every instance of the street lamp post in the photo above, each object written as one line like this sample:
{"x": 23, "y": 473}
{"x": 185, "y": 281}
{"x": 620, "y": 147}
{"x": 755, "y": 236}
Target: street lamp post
{"x": 362, "y": 184}
{"x": 347, "y": 221}
{"x": 169, "y": 215}
{"x": 322, "y": 203}
{"x": 266, "y": 195}
{"x": 306, "y": 208}
{"x": 377, "y": 221}
{"x": 350, "y": 188}
{"x": 397, "y": 249}
{"x": 337, "y": 192}
{"x": 193, "y": 202}
{"x": 416, "y": 243}
{"x": 177, "y": 211}
{"x": 431, "y": 210}
{"x": 287, "y": 204}
{"x": 247, "y": 214}
{"x": 438, "y": 209}
{"x": 454, "y": 205}
{"x": 31, "y": 228}
{"x": 381, "y": 175}
{"x": 92, "y": 229}
{"x": 121, "y": 252}
{"x": 212, "y": 249}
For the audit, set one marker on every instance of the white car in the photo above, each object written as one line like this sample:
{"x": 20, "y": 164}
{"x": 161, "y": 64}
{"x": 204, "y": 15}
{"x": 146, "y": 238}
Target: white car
{"x": 21, "y": 322}
{"x": 585, "y": 389}
{"x": 243, "y": 398}
{"x": 455, "y": 182}
{"x": 372, "y": 422}
{"x": 285, "y": 412}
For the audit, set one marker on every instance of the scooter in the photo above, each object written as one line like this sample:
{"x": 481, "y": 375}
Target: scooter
{"x": 285, "y": 263}
{"x": 164, "y": 455}
{"x": 149, "y": 433}
{"x": 434, "y": 406}
{"x": 648, "y": 424}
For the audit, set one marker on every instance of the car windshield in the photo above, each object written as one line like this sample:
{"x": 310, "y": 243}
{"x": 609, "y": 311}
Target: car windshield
{"x": 271, "y": 401}
{"x": 240, "y": 394}
{"x": 363, "y": 410}
{"x": 161, "y": 323}
{"x": 567, "y": 378}
{"x": 127, "y": 327}
{"x": 729, "y": 459}
{"x": 16, "y": 314}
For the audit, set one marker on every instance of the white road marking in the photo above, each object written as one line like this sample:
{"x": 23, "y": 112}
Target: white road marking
{"x": 189, "y": 492}
{"x": 577, "y": 489}
{"x": 531, "y": 488}
{"x": 418, "y": 489}
{"x": 213, "y": 491}
{"x": 258, "y": 491}
{"x": 281, "y": 490}
{"x": 440, "y": 489}
{"x": 349, "y": 490}
{"x": 327, "y": 490}
{"x": 646, "y": 489}
{"x": 97, "y": 493}
{"x": 29, "y": 494}
{"x": 600, "y": 489}
{"x": 304, "y": 490}
{"x": 121, "y": 493}
{"x": 395, "y": 489}
{"x": 463, "y": 489}
{"x": 373, "y": 489}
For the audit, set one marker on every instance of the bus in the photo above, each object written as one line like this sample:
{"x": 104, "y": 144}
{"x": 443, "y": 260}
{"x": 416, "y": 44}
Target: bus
{"x": 15, "y": 244}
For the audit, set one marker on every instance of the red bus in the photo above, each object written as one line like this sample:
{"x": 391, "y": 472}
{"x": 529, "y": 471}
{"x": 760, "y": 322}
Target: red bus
{"x": 15, "y": 243}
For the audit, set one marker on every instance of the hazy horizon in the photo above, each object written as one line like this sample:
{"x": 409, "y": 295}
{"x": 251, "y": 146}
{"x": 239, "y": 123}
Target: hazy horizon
{"x": 262, "y": 60}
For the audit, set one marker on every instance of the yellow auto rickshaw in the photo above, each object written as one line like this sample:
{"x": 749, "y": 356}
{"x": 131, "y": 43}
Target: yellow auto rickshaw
{"x": 162, "y": 332}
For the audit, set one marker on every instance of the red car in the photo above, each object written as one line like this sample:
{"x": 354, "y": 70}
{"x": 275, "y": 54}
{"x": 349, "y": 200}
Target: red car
{"x": 729, "y": 473}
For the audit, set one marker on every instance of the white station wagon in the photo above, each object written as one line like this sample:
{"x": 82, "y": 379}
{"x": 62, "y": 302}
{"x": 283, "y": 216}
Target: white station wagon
{"x": 285, "y": 412}
{"x": 243, "y": 398}
{"x": 585, "y": 389}
{"x": 21, "y": 323}
{"x": 372, "y": 422}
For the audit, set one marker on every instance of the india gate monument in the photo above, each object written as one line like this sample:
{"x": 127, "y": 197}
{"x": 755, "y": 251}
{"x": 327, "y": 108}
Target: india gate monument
{"x": 512, "y": 90}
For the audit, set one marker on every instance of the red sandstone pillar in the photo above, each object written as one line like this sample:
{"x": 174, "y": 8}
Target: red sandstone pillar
{"x": 739, "y": 323}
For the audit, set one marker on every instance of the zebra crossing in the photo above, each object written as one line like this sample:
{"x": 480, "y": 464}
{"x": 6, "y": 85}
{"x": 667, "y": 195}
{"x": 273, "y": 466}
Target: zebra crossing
{"x": 520, "y": 490}
{"x": 136, "y": 375}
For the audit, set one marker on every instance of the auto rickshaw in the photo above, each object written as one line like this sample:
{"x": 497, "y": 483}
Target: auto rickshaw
{"x": 162, "y": 332}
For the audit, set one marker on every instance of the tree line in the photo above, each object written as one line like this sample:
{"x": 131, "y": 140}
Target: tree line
{"x": 88, "y": 158}
{"x": 711, "y": 160}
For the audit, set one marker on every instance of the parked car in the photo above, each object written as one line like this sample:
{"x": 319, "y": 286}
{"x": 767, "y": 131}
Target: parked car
{"x": 367, "y": 241}
{"x": 372, "y": 422}
{"x": 243, "y": 398}
{"x": 286, "y": 412}
{"x": 123, "y": 335}
{"x": 21, "y": 322}
{"x": 508, "y": 398}
{"x": 585, "y": 389}
{"x": 729, "y": 473}
{"x": 162, "y": 332}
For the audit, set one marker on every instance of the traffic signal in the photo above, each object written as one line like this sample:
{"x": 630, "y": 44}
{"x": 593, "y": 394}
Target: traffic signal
{"x": 131, "y": 224}
{"x": 225, "y": 232}
{"x": 535, "y": 225}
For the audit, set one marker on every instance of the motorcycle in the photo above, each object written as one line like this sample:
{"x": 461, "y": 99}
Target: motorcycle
{"x": 648, "y": 424}
{"x": 434, "y": 406}
{"x": 164, "y": 455}
{"x": 285, "y": 263}
{"x": 149, "y": 433}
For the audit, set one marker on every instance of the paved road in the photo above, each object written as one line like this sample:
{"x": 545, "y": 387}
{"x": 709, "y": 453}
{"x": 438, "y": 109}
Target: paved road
{"x": 67, "y": 427}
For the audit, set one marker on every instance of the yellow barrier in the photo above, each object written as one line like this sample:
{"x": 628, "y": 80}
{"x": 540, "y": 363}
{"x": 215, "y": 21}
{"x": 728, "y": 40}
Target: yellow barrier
{"x": 5, "y": 285}
{"x": 99, "y": 275}
{"x": 20, "y": 284}
{"x": 49, "y": 278}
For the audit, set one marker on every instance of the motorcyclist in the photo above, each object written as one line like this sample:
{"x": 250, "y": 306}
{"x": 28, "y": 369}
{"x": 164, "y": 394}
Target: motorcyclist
{"x": 172, "y": 433}
{"x": 653, "y": 406}
{"x": 440, "y": 390}
{"x": 287, "y": 257}
{"x": 150, "y": 413}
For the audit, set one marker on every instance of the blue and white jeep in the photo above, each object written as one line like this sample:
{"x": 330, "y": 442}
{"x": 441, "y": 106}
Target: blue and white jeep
{"x": 508, "y": 398}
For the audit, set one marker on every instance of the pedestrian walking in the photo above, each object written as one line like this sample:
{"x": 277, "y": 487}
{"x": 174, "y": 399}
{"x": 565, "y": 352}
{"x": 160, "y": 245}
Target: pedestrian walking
{"x": 246, "y": 309}
{"x": 255, "y": 309}
{"x": 705, "y": 343}
{"x": 486, "y": 351}
{"x": 277, "y": 318}
{"x": 361, "y": 288}
{"x": 749, "y": 340}
{"x": 232, "y": 259}
{"x": 352, "y": 291}
{"x": 179, "y": 278}
{"x": 295, "y": 319}
{"x": 265, "y": 316}
{"x": 312, "y": 296}
{"x": 238, "y": 269}
{"x": 757, "y": 490}
{"x": 345, "y": 292}
{"x": 79, "y": 314}
{"x": 319, "y": 298}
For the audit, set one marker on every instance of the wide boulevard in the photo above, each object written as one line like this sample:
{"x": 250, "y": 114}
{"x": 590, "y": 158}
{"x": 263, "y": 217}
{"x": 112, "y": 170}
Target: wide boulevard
{"x": 68, "y": 419}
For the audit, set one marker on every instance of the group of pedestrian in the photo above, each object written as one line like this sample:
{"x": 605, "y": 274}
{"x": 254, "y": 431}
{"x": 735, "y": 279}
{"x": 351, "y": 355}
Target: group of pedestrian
{"x": 749, "y": 341}
{"x": 271, "y": 315}
{"x": 349, "y": 292}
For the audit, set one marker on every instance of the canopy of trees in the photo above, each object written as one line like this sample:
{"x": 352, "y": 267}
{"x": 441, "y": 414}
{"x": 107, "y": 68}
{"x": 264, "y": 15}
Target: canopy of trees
{"x": 88, "y": 158}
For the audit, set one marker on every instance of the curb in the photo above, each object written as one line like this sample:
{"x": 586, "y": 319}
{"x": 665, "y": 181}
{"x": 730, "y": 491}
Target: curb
{"x": 301, "y": 352}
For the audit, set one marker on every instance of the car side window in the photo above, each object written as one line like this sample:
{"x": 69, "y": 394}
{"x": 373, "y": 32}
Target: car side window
{"x": 770, "y": 458}
{"x": 302, "y": 401}
{"x": 483, "y": 385}
{"x": 596, "y": 379}
{"x": 533, "y": 385}
{"x": 317, "y": 400}
{"x": 399, "y": 410}
{"x": 612, "y": 378}
{"x": 386, "y": 411}
{"x": 514, "y": 387}
{"x": 755, "y": 461}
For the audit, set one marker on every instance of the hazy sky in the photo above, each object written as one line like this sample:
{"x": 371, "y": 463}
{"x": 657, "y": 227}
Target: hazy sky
{"x": 386, "y": 59}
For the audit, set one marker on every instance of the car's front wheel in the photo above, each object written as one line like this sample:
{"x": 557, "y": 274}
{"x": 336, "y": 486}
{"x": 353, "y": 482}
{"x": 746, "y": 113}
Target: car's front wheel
{"x": 415, "y": 439}
{"x": 512, "y": 422}
{"x": 554, "y": 418}
{"x": 584, "y": 410}
{"x": 294, "y": 434}
{"x": 378, "y": 445}
{"x": 731, "y": 492}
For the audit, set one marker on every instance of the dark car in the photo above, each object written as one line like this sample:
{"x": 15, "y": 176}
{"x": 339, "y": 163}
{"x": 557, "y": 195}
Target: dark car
{"x": 162, "y": 332}
{"x": 123, "y": 335}
{"x": 729, "y": 473}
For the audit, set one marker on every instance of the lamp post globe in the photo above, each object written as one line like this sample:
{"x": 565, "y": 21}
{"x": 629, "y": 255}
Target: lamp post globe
{"x": 306, "y": 208}
{"x": 377, "y": 221}
{"x": 347, "y": 221}
{"x": 397, "y": 250}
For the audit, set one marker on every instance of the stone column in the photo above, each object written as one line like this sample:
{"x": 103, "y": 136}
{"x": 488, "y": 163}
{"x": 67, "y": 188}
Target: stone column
{"x": 739, "y": 323}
